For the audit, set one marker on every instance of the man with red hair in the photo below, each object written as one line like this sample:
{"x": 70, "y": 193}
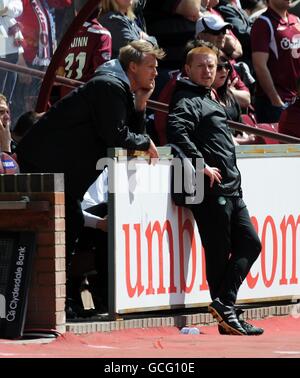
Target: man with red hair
{"x": 197, "y": 124}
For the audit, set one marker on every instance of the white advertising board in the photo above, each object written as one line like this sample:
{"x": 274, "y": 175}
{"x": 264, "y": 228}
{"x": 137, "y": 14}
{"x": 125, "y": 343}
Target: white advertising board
{"x": 159, "y": 260}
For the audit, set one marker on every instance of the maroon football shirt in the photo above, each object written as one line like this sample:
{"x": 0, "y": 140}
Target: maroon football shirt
{"x": 281, "y": 39}
{"x": 91, "y": 46}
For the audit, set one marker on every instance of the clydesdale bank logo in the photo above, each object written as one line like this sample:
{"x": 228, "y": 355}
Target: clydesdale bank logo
{"x": 2, "y": 307}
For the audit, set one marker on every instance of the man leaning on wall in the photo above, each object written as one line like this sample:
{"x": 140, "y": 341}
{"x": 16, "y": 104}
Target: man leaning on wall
{"x": 198, "y": 125}
{"x": 108, "y": 111}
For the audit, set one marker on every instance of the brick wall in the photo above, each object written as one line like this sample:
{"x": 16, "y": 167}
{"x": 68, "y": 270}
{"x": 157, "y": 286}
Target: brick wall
{"x": 45, "y": 216}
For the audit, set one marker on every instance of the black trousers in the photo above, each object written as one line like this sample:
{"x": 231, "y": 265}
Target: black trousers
{"x": 230, "y": 242}
{"x": 97, "y": 241}
{"x": 94, "y": 238}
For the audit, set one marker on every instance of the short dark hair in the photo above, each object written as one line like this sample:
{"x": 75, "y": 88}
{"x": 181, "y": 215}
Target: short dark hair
{"x": 135, "y": 52}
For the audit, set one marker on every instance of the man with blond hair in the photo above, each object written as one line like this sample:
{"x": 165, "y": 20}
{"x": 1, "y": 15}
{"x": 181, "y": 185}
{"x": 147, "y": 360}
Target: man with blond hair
{"x": 198, "y": 125}
{"x": 76, "y": 132}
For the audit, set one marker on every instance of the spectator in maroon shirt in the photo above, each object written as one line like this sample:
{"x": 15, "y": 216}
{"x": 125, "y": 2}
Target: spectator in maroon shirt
{"x": 275, "y": 39}
{"x": 91, "y": 46}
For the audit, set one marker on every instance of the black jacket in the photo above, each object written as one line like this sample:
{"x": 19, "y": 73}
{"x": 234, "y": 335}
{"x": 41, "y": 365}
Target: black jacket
{"x": 171, "y": 30}
{"x": 198, "y": 125}
{"x": 77, "y": 131}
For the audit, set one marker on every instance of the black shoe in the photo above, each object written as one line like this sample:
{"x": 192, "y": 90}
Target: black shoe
{"x": 73, "y": 309}
{"x": 250, "y": 329}
{"x": 226, "y": 317}
{"x": 70, "y": 313}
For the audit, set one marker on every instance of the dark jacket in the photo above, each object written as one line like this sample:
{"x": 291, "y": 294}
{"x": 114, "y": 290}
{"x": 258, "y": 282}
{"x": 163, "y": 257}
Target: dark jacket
{"x": 198, "y": 125}
{"x": 77, "y": 130}
{"x": 122, "y": 30}
{"x": 171, "y": 30}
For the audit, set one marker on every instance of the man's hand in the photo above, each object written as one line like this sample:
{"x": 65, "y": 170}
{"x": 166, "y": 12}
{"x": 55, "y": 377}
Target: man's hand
{"x": 142, "y": 95}
{"x": 232, "y": 84}
{"x": 276, "y": 101}
{"x": 189, "y": 9}
{"x": 152, "y": 151}
{"x": 232, "y": 48}
{"x": 213, "y": 174}
{"x": 102, "y": 224}
{"x": 5, "y": 138}
{"x": 245, "y": 138}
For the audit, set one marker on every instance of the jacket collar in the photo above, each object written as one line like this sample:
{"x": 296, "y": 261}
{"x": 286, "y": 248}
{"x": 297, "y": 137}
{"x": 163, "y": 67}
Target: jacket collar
{"x": 185, "y": 82}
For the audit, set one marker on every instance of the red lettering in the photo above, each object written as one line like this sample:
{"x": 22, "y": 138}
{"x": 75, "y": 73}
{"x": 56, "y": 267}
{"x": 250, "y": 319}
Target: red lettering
{"x": 186, "y": 226}
{"x": 138, "y": 286}
{"x": 283, "y": 226}
{"x": 149, "y": 235}
{"x": 269, "y": 221}
{"x": 203, "y": 285}
{"x": 188, "y": 256}
{"x": 251, "y": 281}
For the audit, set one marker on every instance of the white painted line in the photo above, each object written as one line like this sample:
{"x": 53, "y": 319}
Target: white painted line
{"x": 102, "y": 346}
{"x": 8, "y": 354}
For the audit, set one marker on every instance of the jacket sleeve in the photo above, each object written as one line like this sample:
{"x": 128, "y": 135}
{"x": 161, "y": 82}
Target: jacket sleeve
{"x": 112, "y": 115}
{"x": 139, "y": 123}
{"x": 182, "y": 121}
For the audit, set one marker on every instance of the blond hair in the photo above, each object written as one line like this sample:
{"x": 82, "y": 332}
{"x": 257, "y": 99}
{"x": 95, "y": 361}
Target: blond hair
{"x": 3, "y": 98}
{"x": 112, "y": 6}
{"x": 135, "y": 52}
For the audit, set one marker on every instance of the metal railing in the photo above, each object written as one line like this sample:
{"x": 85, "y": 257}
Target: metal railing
{"x": 153, "y": 105}
{"x": 39, "y": 74}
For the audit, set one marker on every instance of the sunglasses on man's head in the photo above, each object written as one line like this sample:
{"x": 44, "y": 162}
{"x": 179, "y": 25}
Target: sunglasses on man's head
{"x": 225, "y": 65}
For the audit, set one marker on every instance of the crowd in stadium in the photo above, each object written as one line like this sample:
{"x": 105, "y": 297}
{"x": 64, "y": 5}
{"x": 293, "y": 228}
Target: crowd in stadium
{"x": 211, "y": 61}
